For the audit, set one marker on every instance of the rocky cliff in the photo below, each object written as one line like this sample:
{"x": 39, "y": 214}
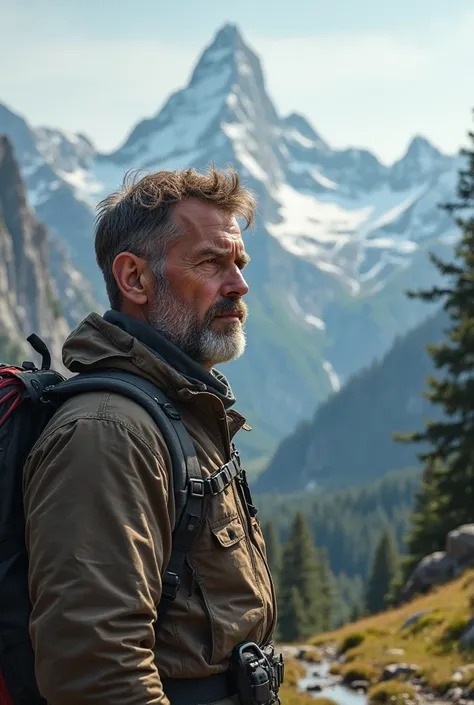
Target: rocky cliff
{"x": 37, "y": 283}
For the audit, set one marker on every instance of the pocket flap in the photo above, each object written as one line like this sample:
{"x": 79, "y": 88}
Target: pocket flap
{"x": 229, "y": 533}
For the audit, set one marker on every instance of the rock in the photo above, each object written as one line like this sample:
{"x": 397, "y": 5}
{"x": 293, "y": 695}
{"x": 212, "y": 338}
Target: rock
{"x": 314, "y": 688}
{"x": 395, "y": 652}
{"x": 455, "y": 694}
{"x": 415, "y": 618}
{"x": 394, "y": 670}
{"x": 467, "y": 668}
{"x": 467, "y": 637}
{"x": 435, "y": 569}
{"x": 418, "y": 682}
{"x": 460, "y": 545}
{"x": 360, "y": 685}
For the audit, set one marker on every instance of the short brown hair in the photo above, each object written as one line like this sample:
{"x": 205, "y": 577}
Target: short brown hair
{"x": 138, "y": 217}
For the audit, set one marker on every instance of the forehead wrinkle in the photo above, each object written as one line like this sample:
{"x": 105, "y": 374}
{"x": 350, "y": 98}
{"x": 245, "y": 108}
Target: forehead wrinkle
{"x": 220, "y": 252}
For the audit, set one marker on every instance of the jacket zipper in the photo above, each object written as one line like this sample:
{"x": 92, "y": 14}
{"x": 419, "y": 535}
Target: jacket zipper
{"x": 240, "y": 499}
{"x": 256, "y": 546}
{"x": 273, "y": 591}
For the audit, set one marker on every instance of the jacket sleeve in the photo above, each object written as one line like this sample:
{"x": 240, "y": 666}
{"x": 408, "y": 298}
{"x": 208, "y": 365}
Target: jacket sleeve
{"x": 98, "y": 533}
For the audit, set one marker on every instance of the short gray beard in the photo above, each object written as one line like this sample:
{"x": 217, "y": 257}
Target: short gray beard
{"x": 179, "y": 322}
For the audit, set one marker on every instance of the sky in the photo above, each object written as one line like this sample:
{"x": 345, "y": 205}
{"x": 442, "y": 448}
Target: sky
{"x": 365, "y": 73}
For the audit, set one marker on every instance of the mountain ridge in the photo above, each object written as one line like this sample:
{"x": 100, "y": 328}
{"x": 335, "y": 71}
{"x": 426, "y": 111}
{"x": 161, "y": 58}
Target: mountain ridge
{"x": 349, "y": 440}
{"x": 30, "y": 299}
{"x": 337, "y": 233}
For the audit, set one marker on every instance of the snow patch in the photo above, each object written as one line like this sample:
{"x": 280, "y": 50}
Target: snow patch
{"x": 299, "y": 167}
{"x": 333, "y": 378}
{"x": 241, "y": 143}
{"x": 334, "y": 232}
{"x": 295, "y": 136}
{"x": 314, "y": 321}
{"x": 307, "y": 317}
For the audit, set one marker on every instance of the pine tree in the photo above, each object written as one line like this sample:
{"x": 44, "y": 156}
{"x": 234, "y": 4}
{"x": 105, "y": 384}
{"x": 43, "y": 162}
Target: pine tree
{"x": 357, "y": 611}
{"x": 292, "y": 618}
{"x": 383, "y": 573}
{"x": 327, "y": 592}
{"x": 301, "y": 571}
{"x": 273, "y": 551}
{"x": 446, "y": 499}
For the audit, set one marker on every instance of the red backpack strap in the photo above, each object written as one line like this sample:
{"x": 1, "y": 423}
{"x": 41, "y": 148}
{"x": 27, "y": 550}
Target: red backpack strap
{"x": 11, "y": 394}
{"x": 5, "y": 698}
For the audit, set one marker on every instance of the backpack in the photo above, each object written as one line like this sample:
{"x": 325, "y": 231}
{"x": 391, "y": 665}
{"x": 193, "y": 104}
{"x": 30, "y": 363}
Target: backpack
{"x": 29, "y": 398}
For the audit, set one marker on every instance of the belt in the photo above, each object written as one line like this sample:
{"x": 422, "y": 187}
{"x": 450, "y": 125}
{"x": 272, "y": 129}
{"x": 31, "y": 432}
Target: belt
{"x": 199, "y": 691}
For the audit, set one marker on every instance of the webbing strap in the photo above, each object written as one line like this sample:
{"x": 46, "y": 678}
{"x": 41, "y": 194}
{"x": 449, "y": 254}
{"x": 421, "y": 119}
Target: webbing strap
{"x": 223, "y": 477}
{"x": 186, "y": 469}
{"x": 189, "y": 487}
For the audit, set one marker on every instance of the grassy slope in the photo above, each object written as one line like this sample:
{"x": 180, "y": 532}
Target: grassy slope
{"x": 431, "y": 643}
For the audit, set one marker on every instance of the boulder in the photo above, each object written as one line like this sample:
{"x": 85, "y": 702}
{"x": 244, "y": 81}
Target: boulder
{"x": 360, "y": 685}
{"x": 395, "y": 670}
{"x": 460, "y": 545}
{"x": 413, "y": 618}
{"x": 314, "y": 688}
{"x": 455, "y": 694}
{"x": 466, "y": 639}
{"x": 435, "y": 569}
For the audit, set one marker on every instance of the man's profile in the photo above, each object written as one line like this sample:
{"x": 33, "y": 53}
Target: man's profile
{"x": 98, "y": 494}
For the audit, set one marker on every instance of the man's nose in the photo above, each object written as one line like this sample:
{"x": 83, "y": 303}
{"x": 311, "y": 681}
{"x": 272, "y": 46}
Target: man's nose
{"x": 235, "y": 284}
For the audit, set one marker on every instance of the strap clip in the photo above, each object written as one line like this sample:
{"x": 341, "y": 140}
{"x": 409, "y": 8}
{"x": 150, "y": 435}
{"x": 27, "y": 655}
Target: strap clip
{"x": 170, "y": 586}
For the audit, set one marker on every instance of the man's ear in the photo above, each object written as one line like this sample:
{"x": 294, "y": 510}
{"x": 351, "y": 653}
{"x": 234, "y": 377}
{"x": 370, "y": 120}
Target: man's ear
{"x": 132, "y": 277}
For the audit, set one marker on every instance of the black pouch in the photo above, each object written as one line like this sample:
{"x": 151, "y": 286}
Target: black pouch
{"x": 257, "y": 674}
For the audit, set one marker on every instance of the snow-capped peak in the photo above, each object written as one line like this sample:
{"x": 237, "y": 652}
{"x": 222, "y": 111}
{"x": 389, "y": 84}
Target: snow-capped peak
{"x": 65, "y": 150}
{"x": 297, "y": 127}
{"x": 420, "y": 161}
{"x": 220, "y": 55}
{"x": 223, "y": 110}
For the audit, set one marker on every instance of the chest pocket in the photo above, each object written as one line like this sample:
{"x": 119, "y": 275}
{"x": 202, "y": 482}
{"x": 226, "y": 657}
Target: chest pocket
{"x": 228, "y": 533}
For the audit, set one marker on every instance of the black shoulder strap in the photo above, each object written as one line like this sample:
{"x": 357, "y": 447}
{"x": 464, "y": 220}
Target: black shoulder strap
{"x": 188, "y": 485}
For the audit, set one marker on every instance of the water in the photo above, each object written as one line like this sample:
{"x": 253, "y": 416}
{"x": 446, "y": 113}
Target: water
{"x": 330, "y": 688}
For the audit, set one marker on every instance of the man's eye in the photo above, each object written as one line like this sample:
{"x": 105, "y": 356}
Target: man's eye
{"x": 212, "y": 260}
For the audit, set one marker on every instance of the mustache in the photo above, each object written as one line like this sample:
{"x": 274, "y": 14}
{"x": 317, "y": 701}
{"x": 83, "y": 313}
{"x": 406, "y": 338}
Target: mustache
{"x": 239, "y": 308}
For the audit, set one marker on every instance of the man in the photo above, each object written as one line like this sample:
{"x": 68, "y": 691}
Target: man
{"x": 98, "y": 499}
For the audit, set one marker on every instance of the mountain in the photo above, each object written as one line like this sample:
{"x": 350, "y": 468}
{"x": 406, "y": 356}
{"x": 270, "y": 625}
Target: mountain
{"x": 349, "y": 440}
{"x": 30, "y": 300}
{"x": 339, "y": 236}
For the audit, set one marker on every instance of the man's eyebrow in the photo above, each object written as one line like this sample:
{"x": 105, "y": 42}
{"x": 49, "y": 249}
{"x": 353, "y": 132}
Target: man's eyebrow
{"x": 243, "y": 258}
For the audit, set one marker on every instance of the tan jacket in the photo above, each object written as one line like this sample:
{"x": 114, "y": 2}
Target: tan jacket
{"x": 99, "y": 514}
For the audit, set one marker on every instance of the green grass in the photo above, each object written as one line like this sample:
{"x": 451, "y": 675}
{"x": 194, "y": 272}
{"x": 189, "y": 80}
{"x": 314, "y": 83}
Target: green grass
{"x": 432, "y": 643}
{"x": 392, "y": 692}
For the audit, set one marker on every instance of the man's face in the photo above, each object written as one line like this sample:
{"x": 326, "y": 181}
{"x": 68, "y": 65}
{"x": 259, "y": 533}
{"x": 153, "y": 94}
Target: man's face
{"x": 198, "y": 303}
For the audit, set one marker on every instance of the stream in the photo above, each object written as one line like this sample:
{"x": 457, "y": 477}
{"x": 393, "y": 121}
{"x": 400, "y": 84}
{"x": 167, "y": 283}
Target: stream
{"x": 318, "y": 674}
